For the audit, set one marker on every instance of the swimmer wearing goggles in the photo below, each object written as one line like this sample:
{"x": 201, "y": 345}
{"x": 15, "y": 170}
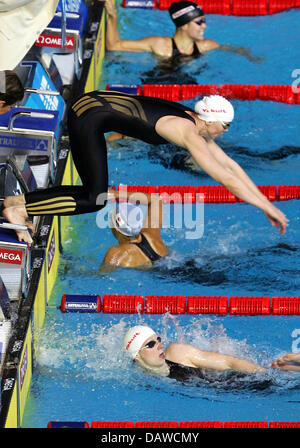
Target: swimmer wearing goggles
{"x": 188, "y": 39}
{"x": 183, "y": 361}
{"x": 153, "y": 121}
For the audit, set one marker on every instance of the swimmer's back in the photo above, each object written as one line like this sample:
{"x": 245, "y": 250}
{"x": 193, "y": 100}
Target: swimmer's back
{"x": 131, "y": 115}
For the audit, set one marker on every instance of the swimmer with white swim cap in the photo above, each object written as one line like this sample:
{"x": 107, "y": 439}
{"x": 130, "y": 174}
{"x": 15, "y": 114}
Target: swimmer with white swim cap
{"x": 140, "y": 244}
{"x": 178, "y": 360}
{"x": 183, "y": 361}
{"x": 154, "y": 121}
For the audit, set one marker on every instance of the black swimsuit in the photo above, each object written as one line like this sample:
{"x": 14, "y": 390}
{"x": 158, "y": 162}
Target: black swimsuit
{"x": 89, "y": 118}
{"x": 180, "y": 372}
{"x": 176, "y": 52}
{"x": 147, "y": 249}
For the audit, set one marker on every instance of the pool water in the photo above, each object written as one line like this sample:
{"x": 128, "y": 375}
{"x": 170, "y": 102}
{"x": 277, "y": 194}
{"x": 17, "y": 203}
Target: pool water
{"x": 80, "y": 371}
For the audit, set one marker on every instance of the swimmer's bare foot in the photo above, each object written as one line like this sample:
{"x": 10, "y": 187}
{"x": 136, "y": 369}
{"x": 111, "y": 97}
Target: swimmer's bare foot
{"x": 18, "y": 215}
{"x": 11, "y": 201}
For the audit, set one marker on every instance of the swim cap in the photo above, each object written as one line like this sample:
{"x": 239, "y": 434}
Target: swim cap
{"x": 127, "y": 219}
{"x": 184, "y": 12}
{"x": 214, "y": 108}
{"x": 135, "y": 337}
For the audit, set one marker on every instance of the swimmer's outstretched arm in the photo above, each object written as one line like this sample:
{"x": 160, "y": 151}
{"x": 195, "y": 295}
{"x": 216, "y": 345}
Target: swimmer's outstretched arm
{"x": 184, "y": 133}
{"x": 238, "y": 171}
{"x": 241, "y": 50}
{"x": 187, "y": 354}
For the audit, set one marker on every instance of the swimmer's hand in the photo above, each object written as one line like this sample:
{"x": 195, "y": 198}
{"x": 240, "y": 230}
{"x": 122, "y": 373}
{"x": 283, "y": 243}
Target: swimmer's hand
{"x": 277, "y": 218}
{"x": 291, "y": 361}
{"x": 111, "y": 12}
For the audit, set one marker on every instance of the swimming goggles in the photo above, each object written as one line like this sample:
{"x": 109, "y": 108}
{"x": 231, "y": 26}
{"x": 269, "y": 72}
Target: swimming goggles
{"x": 200, "y": 21}
{"x": 151, "y": 344}
{"x": 225, "y": 125}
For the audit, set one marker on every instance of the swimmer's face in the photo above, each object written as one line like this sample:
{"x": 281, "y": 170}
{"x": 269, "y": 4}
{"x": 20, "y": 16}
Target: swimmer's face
{"x": 151, "y": 353}
{"x": 211, "y": 129}
{"x": 215, "y": 129}
{"x": 195, "y": 29}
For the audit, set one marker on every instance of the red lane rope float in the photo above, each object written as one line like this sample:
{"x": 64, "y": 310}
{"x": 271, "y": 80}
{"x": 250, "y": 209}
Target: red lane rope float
{"x": 209, "y": 424}
{"x": 191, "y": 90}
{"x": 236, "y": 7}
{"x": 246, "y": 8}
{"x": 245, "y": 424}
{"x": 239, "y": 91}
{"x": 156, "y": 424}
{"x": 279, "y": 93}
{"x": 162, "y": 304}
{"x": 284, "y": 424}
{"x": 288, "y": 192}
{"x": 122, "y": 303}
{"x": 150, "y": 189}
{"x": 286, "y": 305}
{"x": 177, "y": 193}
{"x": 207, "y": 305}
{"x": 250, "y": 305}
{"x": 208, "y": 193}
{"x": 215, "y": 194}
{"x": 171, "y": 92}
{"x": 123, "y": 425}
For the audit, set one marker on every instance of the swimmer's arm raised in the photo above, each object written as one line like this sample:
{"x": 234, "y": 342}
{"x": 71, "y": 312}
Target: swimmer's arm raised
{"x": 152, "y": 44}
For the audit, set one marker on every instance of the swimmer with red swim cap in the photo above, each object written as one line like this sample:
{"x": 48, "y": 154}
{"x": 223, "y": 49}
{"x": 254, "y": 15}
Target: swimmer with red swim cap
{"x": 189, "y": 19}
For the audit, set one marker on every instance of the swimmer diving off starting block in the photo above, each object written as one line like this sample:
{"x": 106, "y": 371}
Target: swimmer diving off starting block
{"x": 153, "y": 121}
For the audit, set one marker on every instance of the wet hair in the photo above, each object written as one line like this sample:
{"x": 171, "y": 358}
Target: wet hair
{"x": 14, "y": 90}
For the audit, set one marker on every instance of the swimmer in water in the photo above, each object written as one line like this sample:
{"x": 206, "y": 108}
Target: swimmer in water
{"x": 140, "y": 242}
{"x": 188, "y": 39}
{"x": 153, "y": 121}
{"x": 182, "y": 361}
{"x": 178, "y": 360}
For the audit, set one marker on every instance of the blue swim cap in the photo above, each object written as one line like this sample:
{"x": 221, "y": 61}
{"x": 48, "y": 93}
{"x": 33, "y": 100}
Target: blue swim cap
{"x": 127, "y": 219}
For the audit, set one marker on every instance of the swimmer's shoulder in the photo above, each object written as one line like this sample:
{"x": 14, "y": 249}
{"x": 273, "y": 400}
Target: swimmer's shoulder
{"x": 180, "y": 352}
{"x": 207, "y": 45}
{"x": 161, "y": 46}
{"x": 125, "y": 255}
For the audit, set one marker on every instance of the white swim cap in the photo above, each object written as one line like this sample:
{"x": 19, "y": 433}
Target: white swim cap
{"x": 127, "y": 219}
{"x": 214, "y": 108}
{"x": 135, "y": 337}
